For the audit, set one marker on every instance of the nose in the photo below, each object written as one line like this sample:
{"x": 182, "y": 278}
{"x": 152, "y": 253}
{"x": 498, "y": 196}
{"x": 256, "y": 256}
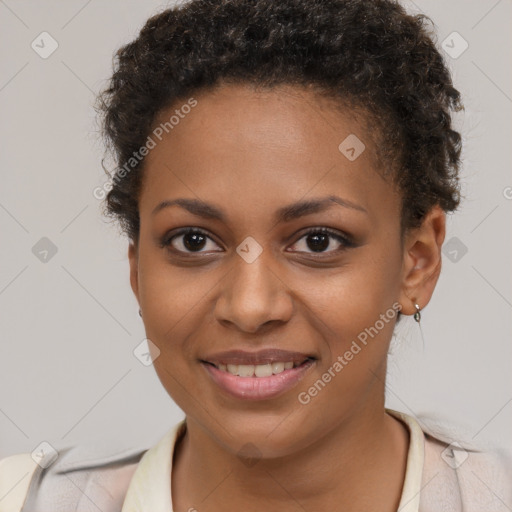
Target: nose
{"x": 254, "y": 295}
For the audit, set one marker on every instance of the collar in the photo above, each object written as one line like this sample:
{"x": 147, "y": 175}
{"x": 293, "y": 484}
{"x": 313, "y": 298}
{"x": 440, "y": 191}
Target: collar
{"x": 150, "y": 486}
{"x": 410, "y": 500}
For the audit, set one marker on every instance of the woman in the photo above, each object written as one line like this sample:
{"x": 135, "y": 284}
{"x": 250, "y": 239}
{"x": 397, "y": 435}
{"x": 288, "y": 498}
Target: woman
{"x": 284, "y": 173}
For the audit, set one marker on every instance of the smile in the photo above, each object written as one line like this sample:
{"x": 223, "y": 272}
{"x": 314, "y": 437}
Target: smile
{"x": 257, "y": 382}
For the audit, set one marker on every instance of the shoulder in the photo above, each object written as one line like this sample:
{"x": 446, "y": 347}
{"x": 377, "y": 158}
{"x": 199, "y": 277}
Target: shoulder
{"x": 15, "y": 474}
{"x": 67, "y": 477}
{"x": 470, "y": 475}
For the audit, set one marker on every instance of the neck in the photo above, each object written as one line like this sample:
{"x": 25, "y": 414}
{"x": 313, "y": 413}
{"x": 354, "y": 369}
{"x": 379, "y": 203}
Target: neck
{"x": 359, "y": 464}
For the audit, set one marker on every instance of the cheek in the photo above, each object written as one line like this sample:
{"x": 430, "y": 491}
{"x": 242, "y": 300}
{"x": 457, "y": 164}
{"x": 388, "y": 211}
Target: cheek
{"x": 355, "y": 327}
{"x": 174, "y": 309}
{"x": 353, "y": 310}
{"x": 354, "y": 296}
{"x": 171, "y": 293}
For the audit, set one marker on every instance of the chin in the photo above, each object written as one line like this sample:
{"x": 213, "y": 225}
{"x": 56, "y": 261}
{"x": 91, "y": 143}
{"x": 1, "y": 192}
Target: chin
{"x": 265, "y": 436}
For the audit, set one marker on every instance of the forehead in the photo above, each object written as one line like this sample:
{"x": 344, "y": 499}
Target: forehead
{"x": 292, "y": 115}
{"x": 241, "y": 144}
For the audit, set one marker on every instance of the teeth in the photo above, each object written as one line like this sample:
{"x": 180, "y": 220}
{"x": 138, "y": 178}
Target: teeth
{"x": 258, "y": 370}
{"x": 263, "y": 370}
{"x": 245, "y": 370}
{"x": 277, "y": 368}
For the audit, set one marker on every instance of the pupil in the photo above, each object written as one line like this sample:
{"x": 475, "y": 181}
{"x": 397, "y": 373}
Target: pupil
{"x": 193, "y": 241}
{"x": 321, "y": 241}
{"x": 316, "y": 242}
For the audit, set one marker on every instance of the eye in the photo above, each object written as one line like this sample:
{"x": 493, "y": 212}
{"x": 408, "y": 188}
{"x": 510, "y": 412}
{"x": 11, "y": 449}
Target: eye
{"x": 189, "y": 240}
{"x": 194, "y": 240}
{"x": 319, "y": 239}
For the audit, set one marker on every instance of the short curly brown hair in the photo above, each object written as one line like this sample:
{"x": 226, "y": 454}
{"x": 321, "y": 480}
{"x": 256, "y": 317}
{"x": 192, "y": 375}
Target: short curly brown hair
{"x": 370, "y": 54}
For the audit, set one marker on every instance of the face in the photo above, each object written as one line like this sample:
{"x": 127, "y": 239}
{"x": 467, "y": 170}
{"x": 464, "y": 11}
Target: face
{"x": 277, "y": 250}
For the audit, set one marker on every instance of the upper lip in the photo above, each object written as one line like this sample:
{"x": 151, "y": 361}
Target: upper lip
{"x": 272, "y": 355}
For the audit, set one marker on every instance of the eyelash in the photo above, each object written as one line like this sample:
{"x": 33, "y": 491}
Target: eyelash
{"x": 343, "y": 239}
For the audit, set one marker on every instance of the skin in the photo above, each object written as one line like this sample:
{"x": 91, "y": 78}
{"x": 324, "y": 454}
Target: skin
{"x": 251, "y": 152}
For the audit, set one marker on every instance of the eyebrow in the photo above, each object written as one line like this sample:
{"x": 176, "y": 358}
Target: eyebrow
{"x": 285, "y": 214}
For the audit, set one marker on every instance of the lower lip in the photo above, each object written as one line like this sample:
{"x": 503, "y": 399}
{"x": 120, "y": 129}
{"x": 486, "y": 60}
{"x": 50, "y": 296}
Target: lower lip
{"x": 258, "y": 388}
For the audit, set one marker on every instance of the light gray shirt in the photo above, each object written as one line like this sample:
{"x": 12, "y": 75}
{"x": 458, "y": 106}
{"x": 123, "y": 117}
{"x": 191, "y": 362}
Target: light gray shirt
{"x": 444, "y": 472}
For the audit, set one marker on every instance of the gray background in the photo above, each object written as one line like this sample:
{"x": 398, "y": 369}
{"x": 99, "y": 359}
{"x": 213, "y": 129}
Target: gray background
{"x": 69, "y": 325}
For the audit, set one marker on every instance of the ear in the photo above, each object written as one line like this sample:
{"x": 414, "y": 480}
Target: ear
{"x": 422, "y": 261}
{"x": 133, "y": 258}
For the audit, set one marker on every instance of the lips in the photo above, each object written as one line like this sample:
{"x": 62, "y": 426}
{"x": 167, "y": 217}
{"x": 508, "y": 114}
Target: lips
{"x": 257, "y": 375}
